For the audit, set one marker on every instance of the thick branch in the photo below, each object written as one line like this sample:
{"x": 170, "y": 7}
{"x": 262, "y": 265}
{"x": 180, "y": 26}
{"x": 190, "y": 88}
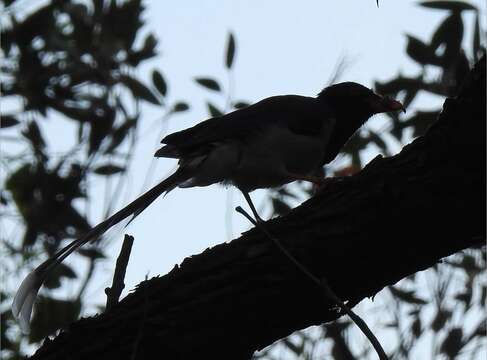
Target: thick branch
{"x": 399, "y": 215}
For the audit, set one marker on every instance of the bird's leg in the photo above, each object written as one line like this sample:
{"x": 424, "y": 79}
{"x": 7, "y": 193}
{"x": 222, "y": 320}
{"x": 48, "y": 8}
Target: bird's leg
{"x": 322, "y": 283}
{"x": 251, "y": 204}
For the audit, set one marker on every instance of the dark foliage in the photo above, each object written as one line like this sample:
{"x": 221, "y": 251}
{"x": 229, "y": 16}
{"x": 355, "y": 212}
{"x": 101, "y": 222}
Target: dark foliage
{"x": 67, "y": 61}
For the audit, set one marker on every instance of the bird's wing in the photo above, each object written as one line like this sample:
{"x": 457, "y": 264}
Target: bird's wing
{"x": 302, "y": 115}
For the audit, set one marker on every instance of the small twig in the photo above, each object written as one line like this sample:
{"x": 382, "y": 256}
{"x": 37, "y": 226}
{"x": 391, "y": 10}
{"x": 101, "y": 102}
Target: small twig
{"x": 113, "y": 293}
{"x": 323, "y": 285}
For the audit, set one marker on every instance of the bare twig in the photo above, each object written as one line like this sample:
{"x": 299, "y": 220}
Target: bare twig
{"x": 113, "y": 293}
{"x": 322, "y": 284}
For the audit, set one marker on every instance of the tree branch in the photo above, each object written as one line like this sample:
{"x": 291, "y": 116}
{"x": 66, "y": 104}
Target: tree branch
{"x": 113, "y": 293}
{"x": 322, "y": 284}
{"x": 400, "y": 215}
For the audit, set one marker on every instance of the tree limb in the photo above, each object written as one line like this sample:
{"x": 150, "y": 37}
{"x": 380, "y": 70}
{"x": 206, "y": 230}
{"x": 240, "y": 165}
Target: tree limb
{"x": 399, "y": 215}
{"x": 113, "y": 293}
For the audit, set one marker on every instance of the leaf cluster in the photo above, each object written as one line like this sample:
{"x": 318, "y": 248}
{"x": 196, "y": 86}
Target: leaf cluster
{"x": 71, "y": 62}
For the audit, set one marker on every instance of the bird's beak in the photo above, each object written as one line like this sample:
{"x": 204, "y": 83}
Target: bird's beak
{"x": 386, "y": 104}
{"x": 392, "y": 105}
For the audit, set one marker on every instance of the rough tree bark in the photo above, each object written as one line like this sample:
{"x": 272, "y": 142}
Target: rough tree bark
{"x": 399, "y": 215}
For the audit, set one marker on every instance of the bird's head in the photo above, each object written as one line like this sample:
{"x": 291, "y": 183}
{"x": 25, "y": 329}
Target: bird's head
{"x": 352, "y": 105}
{"x": 357, "y": 101}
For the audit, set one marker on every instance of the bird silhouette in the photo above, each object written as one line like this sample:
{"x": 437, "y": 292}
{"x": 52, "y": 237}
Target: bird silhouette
{"x": 268, "y": 144}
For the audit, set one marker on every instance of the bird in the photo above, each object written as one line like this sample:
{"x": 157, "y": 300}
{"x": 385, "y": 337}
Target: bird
{"x": 271, "y": 143}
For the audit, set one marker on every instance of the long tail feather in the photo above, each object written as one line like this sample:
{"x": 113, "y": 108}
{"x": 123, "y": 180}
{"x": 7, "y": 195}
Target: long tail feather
{"x": 24, "y": 298}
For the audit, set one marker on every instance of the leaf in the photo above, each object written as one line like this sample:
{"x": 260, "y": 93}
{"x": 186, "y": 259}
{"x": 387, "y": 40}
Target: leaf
{"x": 213, "y": 110}
{"x": 454, "y": 6}
{"x": 230, "y": 51}
{"x": 33, "y": 134}
{"x": 180, "y": 106}
{"x": 356, "y": 143}
{"x": 421, "y": 121}
{"x": 377, "y": 140}
{"x": 467, "y": 263}
{"x": 284, "y": 192}
{"x": 108, "y": 169}
{"x": 451, "y": 28}
{"x": 416, "y": 327}
{"x": 159, "y": 82}
{"x": 119, "y": 134}
{"x": 453, "y": 343}
{"x": 52, "y": 314}
{"x": 414, "y": 312}
{"x": 8, "y": 2}
{"x": 5, "y": 322}
{"x": 240, "y": 105}
{"x": 92, "y": 253}
{"x": 465, "y": 297}
{"x": 398, "y": 84}
{"x": 409, "y": 97}
{"x": 280, "y": 207}
{"x": 53, "y": 281}
{"x": 101, "y": 127}
{"x": 476, "y": 39}
{"x": 208, "y": 83}
{"x": 296, "y": 349}
{"x": 139, "y": 90}
{"x": 406, "y": 296}
{"x": 483, "y": 296}
{"x": 8, "y": 121}
{"x": 135, "y": 57}
{"x": 420, "y": 52}
{"x": 150, "y": 42}
{"x": 3, "y": 198}
{"x": 450, "y": 33}
{"x": 480, "y": 331}
{"x": 356, "y": 162}
{"x": 441, "y": 317}
{"x": 81, "y": 115}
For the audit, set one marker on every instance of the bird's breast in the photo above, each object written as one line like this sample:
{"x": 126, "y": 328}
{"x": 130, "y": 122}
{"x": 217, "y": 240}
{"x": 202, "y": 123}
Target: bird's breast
{"x": 276, "y": 154}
